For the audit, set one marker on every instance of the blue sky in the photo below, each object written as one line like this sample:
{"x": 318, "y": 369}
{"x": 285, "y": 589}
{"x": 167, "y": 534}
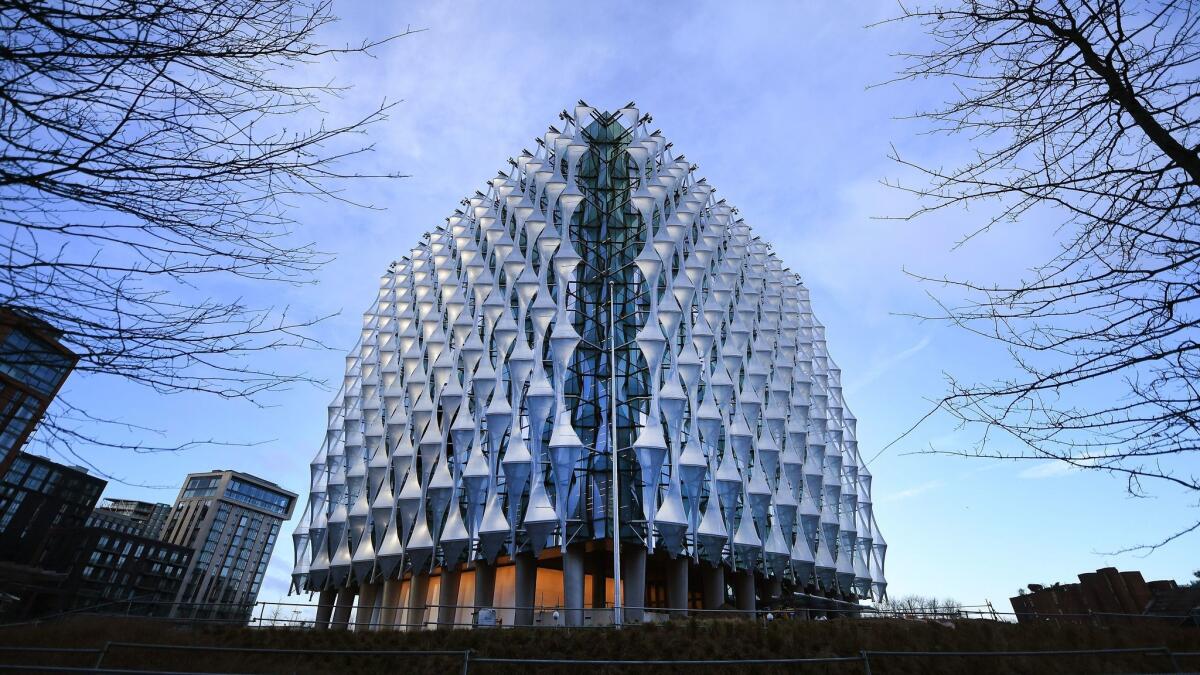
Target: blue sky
{"x": 772, "y": 101}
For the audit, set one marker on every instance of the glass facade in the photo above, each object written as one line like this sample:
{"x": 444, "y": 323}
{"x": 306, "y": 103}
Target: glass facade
{"x": 205, "y": 486}
{"x": 32, "y": 361}
{"x": 258, "y": 496}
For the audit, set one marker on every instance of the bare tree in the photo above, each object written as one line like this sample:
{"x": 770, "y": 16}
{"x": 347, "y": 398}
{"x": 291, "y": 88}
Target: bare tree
{"x": 148, "y": 148}
{"x": 1089, "y": 109}
{"x": 922, "y": 607}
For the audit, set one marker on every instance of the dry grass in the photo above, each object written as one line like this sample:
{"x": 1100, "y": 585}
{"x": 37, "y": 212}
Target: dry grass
{"x": 691, "y": 639}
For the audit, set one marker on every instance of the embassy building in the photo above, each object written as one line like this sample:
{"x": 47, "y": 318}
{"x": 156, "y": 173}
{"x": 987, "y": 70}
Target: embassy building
{"x": 593, "y": 372}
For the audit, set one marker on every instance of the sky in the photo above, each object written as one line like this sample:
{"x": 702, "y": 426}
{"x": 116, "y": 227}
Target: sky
{"x": 775, "y": 103}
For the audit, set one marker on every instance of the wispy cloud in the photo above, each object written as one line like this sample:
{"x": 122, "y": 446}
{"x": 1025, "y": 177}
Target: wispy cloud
{"x": 911, "y": 492}
{"x": 1052, "y": 469}
{"x": 879, "y": 368}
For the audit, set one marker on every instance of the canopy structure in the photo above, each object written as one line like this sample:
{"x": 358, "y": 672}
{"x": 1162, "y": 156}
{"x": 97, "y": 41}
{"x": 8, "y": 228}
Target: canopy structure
{"x": 596, "y": 301}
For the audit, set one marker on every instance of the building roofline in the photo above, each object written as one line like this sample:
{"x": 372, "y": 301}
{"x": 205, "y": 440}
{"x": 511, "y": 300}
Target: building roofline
{"x": 17, "y": 317}
{"x": 242, "y": 474}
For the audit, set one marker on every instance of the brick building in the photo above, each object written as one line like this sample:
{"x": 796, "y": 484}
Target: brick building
{"x": 150, "y": 517}
{"x": 33, "y": 366}
{"x": 1106, "y": 595}
{"x": 37, "y": 495}
{"x": 110, "y": 565}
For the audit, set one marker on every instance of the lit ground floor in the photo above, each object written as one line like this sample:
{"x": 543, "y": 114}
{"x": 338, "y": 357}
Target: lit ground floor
{"x": 569, "y": 588}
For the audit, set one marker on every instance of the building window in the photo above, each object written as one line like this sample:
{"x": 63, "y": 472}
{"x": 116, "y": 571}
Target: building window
{"x": 19, "y": 466}
{"x": 35, "y": 478}
{"x": 203, "y": 486}
{"x": 258, "y": 497}
{"x": 33, "y": 362}
{"x": 16, "y": 427}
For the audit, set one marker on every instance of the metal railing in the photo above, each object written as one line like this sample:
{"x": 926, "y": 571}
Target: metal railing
{"x": 468, "y": 659}
{"x": 264, "y": 614}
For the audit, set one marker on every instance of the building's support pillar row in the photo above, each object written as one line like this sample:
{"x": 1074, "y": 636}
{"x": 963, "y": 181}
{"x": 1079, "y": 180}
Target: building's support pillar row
{"x": 677, "y": 585}
{"x": 368, "y": 597}
{"x": 599, "y": 561}
{"x": 573, "y": 585}
{"x": 418, "y": 590}
{"x": 448, "y": 597}
{"x": 633, "y": 577}
{"x": 325, "y": 608}
{"x": 391, "y": 602}
{"x": 343, "y": 606}
{"x": 485, "y": 586}
{"x": 775, "y": 588}
{"x": 713, "y": 579}
{"x": 526, "y": 588}
{"x": 744, "y": 590}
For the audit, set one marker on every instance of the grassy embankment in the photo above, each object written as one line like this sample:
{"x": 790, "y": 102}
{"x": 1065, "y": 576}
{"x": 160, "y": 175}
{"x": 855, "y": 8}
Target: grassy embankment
{"x": 690, "y": 639}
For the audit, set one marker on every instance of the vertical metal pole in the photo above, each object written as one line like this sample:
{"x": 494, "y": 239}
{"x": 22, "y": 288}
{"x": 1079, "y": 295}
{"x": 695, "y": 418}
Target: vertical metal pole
{"x": 102, "y": 654}
{"x": 1171, "y": 657}
{"x": 614, "y": 489}
{"x": 866, "y": 659}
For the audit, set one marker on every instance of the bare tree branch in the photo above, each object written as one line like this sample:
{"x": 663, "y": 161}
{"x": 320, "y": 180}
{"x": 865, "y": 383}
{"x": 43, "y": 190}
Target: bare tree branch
{"x": 151, "y": 152}
{"x": 1091, "y": 109}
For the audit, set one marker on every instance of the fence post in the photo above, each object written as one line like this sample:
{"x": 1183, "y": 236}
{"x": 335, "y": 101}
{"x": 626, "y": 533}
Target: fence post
{"x": 466, "y": 667}
{"x": 866, "y": 658}
{"x": 1171, "y": 657}
{"x": 102, "y": 654}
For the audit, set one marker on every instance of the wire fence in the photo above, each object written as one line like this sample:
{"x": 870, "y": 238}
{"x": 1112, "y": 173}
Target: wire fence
{"x": 93, "y": 660}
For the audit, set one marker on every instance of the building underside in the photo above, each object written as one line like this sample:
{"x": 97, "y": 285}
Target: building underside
{"x": 597, "y": 302}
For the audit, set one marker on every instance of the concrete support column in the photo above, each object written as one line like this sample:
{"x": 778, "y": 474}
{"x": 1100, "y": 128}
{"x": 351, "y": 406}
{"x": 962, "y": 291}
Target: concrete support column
{"x": 485, "y": 586}
{"x": 325, "y": 608}
{"x": 677, "y": 585}
{"x": 377, "y": 608}
{"x": 633, "y": 578}
{"x": 599, "y": 565}
{"x": 775, "y": 589}
{"x": 342, "y": 607}
{"x": 526, "y": 588}
{"x": 368, "y": 595}
{"x": 713, "y": 579}
{"x": 743, "y": 590}
{"x": 418, "y": 590}
{"x": 573, "y": 584}
{"x": 391, "y": 600}
{"x": 448, "y": 597}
